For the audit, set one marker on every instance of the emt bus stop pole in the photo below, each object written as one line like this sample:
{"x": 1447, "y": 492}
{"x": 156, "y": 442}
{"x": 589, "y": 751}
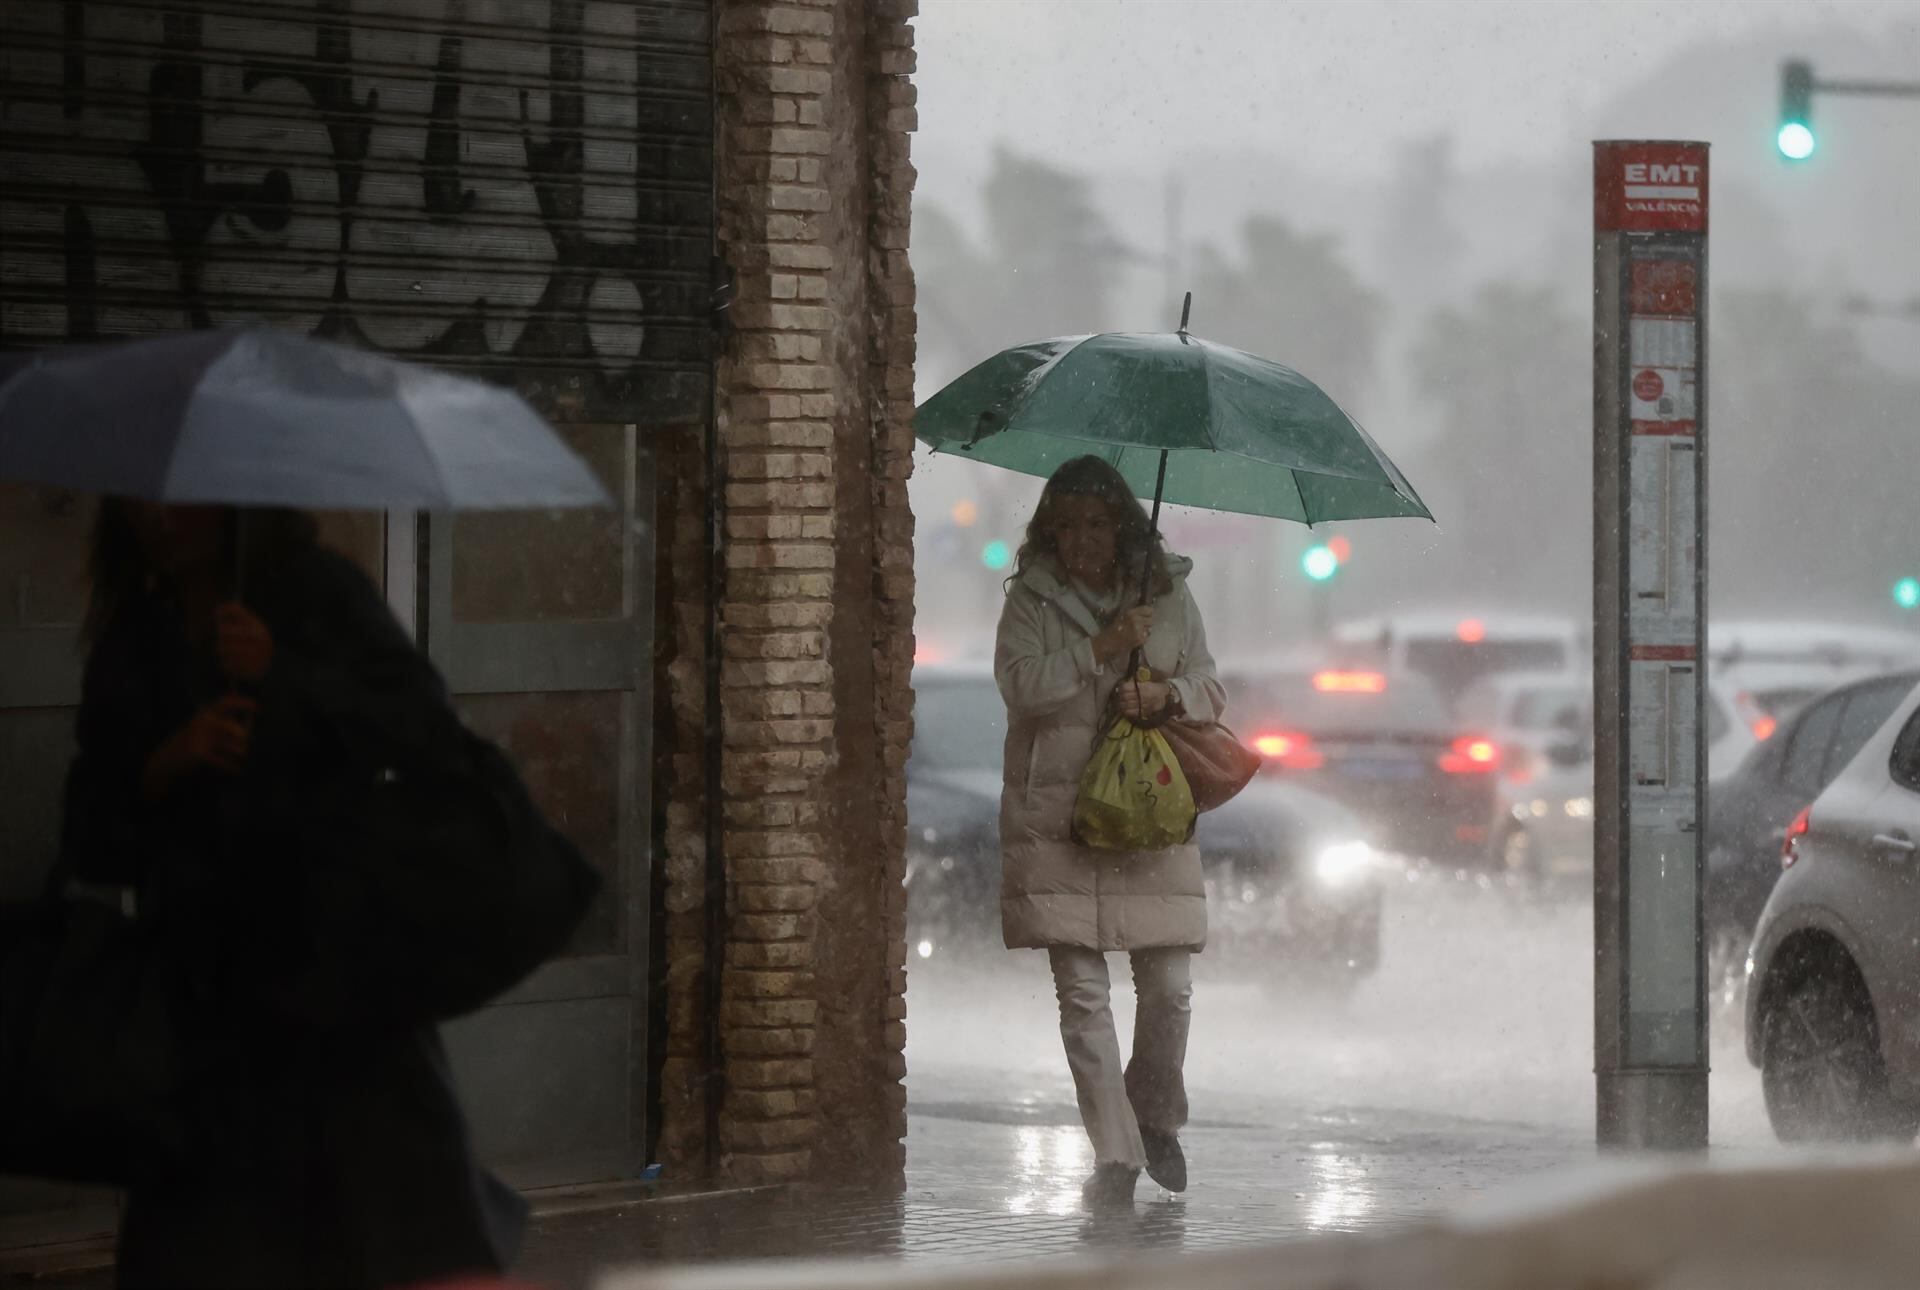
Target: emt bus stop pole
{"x": 1650, "y": 624}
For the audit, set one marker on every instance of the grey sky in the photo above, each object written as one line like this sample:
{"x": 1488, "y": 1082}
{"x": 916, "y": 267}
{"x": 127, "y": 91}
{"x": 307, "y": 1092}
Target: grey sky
{"x": 1300, "y": 109}
{"x": 1334, "y": 84}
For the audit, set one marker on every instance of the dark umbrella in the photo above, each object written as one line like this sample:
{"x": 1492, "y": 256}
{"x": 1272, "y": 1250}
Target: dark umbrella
{"x": 253, "y": 417}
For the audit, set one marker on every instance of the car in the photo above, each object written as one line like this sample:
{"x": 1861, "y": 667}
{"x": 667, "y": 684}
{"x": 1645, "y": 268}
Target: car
{"x": 1542, "y": 831}
{"x": 1748, "y": 812}
{"x": 1769, "y": 657}
{"x": 1294, "y": 877}
{"x": 1763, "y": 672}
{"x": 1531, "y": 710}
{"x": 1294, "y": 882}
{"x": 1735, "y": 725}
{"x": 1833, "y": 976}
{"x": 953, "y": 809}
{"x": 1456, "y": 650}
{"x": 1386, "y": 745}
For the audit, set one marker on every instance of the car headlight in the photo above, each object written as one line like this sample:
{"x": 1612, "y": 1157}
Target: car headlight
{"x": 1579, "y": 808}
{"x": 1342, "y": 863}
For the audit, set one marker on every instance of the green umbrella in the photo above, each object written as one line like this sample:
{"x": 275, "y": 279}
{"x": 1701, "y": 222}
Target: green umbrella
{"x": 1244, "y": 434}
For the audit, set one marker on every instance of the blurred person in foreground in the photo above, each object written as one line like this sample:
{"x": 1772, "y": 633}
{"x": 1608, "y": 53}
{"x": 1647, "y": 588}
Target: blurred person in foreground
{"x": 319, "y": 1146}
{"x": 1071, "y": 622}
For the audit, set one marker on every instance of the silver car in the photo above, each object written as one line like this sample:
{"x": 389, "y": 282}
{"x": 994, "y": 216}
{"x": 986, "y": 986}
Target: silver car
{"x": 1833, "y": 1004}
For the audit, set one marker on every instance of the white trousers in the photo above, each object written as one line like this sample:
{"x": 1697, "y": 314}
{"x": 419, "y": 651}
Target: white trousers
{"x": 1150, "y": 1089}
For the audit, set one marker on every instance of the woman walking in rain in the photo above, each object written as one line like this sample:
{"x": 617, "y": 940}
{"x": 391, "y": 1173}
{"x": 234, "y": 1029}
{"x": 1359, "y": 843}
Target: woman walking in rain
{"x": 1071, "y": 622}
{"x": 320, "y": 1140}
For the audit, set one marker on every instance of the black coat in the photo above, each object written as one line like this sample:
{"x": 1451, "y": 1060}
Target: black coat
{"x": 323, "y": 1152}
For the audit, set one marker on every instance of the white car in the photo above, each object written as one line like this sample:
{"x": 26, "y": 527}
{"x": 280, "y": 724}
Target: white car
{"x": 1777, "y": 668}
{"x": 1744, "y": 651}
{"x": 1761, "y": 673}
{"x": 1530, "y": 710}
{"x": 1735, "y": 724}
{"x": 1833, "y": 999}
{"x": 1457, "y": 650}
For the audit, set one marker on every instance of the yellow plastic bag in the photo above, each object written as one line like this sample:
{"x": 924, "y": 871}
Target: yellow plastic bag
{"x": 1132, "y": 794}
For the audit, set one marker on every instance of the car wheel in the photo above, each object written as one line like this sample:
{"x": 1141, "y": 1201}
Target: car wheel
{"x": 1821, "y": 1069}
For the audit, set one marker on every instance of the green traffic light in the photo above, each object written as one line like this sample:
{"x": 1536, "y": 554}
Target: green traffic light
{"x": 1796, "y": 141}
{"x": 1906, "y": 593}
{"x": 1319, "y": 563}
{"x": 996, "y": 555}
{"x": 1797, "y": 85}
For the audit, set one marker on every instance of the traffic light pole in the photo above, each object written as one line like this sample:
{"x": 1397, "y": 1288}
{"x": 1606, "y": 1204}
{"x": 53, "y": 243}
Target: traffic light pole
{"x": 1798, "y": 85}
{"x": 1650, "y": 598}
{"x": 1871, "y": 89}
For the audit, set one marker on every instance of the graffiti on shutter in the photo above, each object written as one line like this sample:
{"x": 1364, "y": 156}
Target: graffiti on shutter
{"x": 519, "y": 189}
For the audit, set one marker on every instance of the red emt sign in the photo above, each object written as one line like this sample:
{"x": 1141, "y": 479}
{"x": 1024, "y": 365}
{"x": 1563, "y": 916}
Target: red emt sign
{"x": 1650, "y": 188}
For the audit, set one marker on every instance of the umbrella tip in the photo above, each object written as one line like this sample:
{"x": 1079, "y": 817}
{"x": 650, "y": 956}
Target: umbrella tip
{"x": 1186, "y": 309}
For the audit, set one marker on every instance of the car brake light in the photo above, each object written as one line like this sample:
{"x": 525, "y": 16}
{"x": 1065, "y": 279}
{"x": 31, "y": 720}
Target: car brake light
{"x": 1759, "y": 720}
{"x": 1471, "y": 756}
{"x": 1790, "y": 850}
{"x": 1350, "y": 683}
{"x": 1293, "y": 752}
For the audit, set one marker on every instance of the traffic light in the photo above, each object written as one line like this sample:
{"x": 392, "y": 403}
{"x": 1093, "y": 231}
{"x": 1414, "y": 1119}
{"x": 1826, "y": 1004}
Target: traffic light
{"x": 1319, "y": 562}
{"x": 1906, "y": 593}
{"x": 1796, "y": 110}
{"x": 996, "y": 555}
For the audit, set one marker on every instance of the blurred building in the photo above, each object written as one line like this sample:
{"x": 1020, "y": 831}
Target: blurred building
{"x": 676, "y": 225}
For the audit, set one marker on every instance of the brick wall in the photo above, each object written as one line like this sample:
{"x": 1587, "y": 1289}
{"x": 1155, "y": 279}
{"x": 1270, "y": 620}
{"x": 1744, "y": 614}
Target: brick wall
{"x": 815, "y": 409}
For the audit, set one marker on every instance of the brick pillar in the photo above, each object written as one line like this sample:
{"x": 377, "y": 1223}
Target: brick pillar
{"x": 891, "y": 119}
{"x": 814, "y": 420}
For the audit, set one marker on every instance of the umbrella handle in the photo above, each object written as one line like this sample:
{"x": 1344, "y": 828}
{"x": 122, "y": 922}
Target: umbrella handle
{"x": 1146, "y": 565}
{"x": 1153, "y": 532}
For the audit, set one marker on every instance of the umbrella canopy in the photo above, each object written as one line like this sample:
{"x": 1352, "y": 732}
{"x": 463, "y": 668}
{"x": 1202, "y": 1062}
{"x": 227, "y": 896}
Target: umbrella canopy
{"x": 1244, "y": 434}
{"x": 253, "y": 417}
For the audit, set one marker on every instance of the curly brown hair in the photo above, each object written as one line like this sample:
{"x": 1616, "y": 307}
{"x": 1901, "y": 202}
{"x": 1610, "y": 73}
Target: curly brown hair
{"x": 1135, "y": 537}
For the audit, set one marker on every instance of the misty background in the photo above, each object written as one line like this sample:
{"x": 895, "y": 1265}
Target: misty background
{"x": 1396, "y": 200}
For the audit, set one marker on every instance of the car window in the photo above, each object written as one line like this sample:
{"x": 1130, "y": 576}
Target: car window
{"x": 1906, "y": 755}
{"x": 958, "y": 724}
{"x": 1866, "y": 711}
{"x": 1455, "y": 665}
{"x": 1806, "y": 758}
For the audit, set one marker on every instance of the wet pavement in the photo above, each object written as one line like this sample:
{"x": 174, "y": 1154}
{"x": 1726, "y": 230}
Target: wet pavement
{"x": 1459, "y": 1075}
{"x": 982, "y": 1189}
{"x": 1461, "y": 1072}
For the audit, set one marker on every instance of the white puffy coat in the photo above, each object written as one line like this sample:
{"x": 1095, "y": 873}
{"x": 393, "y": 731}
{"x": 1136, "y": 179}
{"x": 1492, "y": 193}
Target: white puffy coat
{"x": 1054, "y": 891}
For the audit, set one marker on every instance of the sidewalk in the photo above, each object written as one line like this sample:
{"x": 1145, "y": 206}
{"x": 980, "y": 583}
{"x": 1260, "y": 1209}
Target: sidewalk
{"x": 998, "y": 1180}
{"x": 992, "y": 1182}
